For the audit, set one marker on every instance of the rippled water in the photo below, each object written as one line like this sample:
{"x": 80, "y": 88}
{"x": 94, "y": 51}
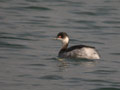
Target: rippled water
{"x": 28, "y": 54}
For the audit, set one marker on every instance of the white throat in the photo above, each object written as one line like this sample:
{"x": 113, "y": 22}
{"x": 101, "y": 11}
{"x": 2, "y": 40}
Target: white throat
{"x": 65, "y": 40}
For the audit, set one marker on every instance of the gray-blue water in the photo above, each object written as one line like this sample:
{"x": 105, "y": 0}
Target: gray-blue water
{"x": 28, "y": 54}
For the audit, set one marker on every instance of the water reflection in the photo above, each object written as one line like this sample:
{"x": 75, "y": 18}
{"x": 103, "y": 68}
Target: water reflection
{"x": 65, "y": 63}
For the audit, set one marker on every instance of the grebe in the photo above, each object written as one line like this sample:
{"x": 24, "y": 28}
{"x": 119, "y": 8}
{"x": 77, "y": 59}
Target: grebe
{"x": 78, "y": 51}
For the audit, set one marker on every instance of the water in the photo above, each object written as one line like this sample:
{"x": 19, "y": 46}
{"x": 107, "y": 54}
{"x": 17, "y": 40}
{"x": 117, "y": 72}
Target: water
{"x": 28, "y": 54}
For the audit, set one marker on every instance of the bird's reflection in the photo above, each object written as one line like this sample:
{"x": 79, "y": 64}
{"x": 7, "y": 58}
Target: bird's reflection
{"x": 65, "y": 63}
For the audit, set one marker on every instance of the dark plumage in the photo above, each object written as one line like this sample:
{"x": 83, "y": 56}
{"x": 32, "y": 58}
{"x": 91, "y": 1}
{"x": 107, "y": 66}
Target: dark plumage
{"x": 77, "y": 47}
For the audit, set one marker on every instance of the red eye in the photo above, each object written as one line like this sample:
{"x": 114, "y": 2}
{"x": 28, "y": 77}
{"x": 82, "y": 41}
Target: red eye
{"x": 59, "y": 37}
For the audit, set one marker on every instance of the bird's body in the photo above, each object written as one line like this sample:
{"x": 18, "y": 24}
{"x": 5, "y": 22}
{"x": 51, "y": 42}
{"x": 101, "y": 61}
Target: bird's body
{"x": 77, "y": 51}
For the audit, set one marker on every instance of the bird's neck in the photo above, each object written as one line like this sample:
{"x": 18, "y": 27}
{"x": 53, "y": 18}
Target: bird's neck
{"x": 63, "y": 49}
{"x": 64, "y": 44}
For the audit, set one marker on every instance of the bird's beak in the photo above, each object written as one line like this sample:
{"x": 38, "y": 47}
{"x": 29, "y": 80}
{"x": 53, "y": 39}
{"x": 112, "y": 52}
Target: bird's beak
{"x": 57, "y": 38}
{"x": 54, "y": 38}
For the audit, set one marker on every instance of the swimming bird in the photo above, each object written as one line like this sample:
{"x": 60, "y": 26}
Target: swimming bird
{"x": 77, "y": 51}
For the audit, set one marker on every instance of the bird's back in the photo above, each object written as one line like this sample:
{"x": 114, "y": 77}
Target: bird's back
{"x": 80, "y": 51}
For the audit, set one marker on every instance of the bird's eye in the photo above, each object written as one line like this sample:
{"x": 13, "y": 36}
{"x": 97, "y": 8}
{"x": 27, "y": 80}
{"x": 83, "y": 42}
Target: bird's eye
{"x": 59, "y": 37}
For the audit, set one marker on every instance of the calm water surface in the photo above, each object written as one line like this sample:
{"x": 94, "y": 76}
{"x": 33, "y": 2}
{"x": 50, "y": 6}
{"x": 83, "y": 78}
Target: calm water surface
{"x": 28, "y": 54}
